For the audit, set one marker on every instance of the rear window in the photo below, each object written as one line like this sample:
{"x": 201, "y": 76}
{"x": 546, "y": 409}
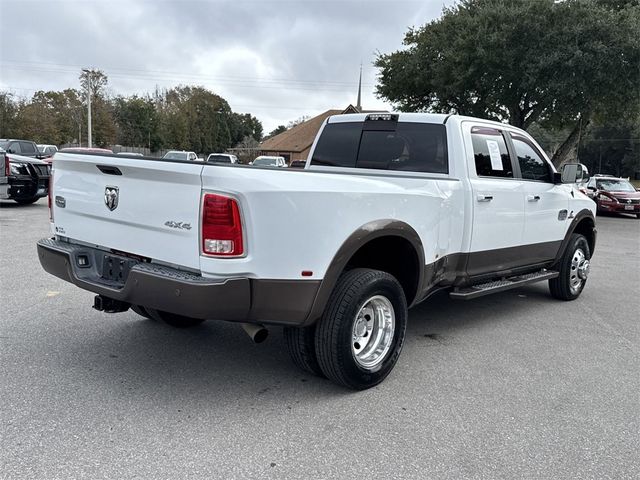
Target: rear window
{"x": 219, "y": 159}
{"x": 407, "y": 146}
{"x": 176, "y": 156}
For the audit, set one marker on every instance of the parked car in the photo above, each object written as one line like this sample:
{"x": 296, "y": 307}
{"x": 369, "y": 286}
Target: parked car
{"x": 298, "y": 164}
{"x": 268, "y": 161}
{"x": 23, "y": 179}
{"x": 47, "y": 150}
{"x": 613, "y": 194}
{"x": 26, "y": 148}
{"x": 222, "y": 158}
{"x": 180, "y": 155}
{"x": 391, "y": 209}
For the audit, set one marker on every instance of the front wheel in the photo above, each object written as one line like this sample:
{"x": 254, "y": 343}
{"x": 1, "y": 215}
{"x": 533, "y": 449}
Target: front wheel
{"x": 360, "y": 335}
{"x": 574, "y": 269}
{"x": 173, "y": 319}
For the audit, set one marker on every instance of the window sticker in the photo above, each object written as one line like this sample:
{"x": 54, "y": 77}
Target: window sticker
{"x": 494, "y": 153}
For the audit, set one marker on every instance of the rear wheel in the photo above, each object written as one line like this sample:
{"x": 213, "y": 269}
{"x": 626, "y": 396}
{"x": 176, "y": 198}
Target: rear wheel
{"x": 360, "y": 335}
{"x": 173, "y": 319}
{"x": 302, "y": 350}
{"x": 574, "y": 269}
{"x": 140, "y": 310}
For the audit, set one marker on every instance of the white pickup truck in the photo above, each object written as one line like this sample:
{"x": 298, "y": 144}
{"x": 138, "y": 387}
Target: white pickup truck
{"x": 389, "y": 209}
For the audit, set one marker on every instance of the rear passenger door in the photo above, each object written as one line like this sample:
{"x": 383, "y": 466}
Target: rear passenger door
{"x": 497, "y": 202}
{"x": 546, "y": 204}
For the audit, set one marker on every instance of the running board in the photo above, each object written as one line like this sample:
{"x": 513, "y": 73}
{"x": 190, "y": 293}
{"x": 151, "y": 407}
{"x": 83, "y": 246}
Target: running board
{"x": 482, "y": 289}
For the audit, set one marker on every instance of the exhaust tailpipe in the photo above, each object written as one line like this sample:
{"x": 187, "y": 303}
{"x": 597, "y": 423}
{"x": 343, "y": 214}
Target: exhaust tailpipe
{"x": 257, "y": 332}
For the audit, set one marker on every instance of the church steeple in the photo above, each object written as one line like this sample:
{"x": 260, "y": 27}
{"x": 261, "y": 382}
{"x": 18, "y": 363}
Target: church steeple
{"x": 359, "y": 103}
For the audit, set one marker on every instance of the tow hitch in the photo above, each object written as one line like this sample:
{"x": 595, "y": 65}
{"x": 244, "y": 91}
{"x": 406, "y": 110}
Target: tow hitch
{"x": 109, "y": 305}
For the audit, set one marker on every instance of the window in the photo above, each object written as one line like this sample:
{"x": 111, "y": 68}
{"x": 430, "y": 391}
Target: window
{"x": 338, "y": 145}
{"x": 532, "y": 165}
{"x": 28, "y": 147}
{"x": 614, "y": 185}
{"x": 411, "y": 147}
{"x": 490, "y": 153}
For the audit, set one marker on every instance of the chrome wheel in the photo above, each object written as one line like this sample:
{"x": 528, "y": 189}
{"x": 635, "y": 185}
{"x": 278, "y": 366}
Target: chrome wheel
{"x": 579, "y": 270}
{"x": 372, "y": 334}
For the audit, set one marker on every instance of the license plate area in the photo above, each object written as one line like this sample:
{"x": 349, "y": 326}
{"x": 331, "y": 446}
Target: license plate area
{"x": 115, "y": 269}
{"x": 628, "y": 207}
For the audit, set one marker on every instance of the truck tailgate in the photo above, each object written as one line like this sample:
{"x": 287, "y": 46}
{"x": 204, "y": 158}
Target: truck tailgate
{"x": 144, "y": 207}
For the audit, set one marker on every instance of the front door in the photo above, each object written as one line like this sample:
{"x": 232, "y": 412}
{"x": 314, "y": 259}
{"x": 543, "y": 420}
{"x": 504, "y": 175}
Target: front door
{"x": 546, "y": 205}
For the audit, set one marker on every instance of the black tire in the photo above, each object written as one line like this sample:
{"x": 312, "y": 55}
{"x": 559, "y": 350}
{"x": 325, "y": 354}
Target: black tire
{"x": 561, "y": 287}
{"x": 173, "y": 319}
{"x": 638, "y": 216}
{"x": 302, "y": 350}
{"x": 334, "y": 331}
{"x": 26, "y": 201}
{"x": 140, "y": 310}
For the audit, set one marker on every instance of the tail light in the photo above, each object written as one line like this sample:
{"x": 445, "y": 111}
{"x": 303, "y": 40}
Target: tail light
{"x": 7, "y": 166}
{"x": 50, "y": 196}
{"x": 221, "y": 226}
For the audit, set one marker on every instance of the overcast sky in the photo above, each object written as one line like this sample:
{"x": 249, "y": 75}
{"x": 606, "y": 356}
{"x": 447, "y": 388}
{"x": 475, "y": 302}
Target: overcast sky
{"x": 277, "y": 60}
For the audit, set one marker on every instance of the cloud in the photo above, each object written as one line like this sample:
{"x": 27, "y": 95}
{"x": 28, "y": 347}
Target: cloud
{"x": 278, "y": 60}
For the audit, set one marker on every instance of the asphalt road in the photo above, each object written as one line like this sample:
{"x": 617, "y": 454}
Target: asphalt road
{"x": 516, "y": 385}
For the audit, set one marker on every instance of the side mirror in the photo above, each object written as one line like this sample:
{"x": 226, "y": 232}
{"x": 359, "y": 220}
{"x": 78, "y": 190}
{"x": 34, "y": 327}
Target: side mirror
{"x": 593, "y": 189}
{"x": 573, "y": 172}
{"x": 10, "y": 150}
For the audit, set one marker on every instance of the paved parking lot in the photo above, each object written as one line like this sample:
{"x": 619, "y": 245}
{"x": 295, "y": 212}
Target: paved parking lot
{"x": 515, "y": 385}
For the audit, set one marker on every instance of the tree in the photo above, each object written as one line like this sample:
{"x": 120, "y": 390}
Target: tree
{"x": 137, "y": 122}
{"x": 242, "y": 125}
{"x": 521, "y": 62}
{"x": 8, "y": 115}
{"x": 94, "y": 82}
{"x": 297, "y": 121}
{"x": 277, "y": 131}
{"x": 193, "y": 118}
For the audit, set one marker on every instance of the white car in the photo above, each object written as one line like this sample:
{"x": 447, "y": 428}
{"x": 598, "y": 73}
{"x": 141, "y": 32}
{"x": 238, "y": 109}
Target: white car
{"x": 47, "y": 150}
{"x": 180, "y": 155}
{"x": 130, "y": 154}
{"x": 269, "y": 161}
{"x": 222, "y": 158}
{"x": 390, "y": 209}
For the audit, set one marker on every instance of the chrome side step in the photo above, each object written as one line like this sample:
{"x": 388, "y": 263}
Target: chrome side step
{"x": 496, "y": 286}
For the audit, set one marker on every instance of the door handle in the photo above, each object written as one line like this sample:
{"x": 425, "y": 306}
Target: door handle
{"x": 533, "y": 198}
{"x": 484, "y": 198}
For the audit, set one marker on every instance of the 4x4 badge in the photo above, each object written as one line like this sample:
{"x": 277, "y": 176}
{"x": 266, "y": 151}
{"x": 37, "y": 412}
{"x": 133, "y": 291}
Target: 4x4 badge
{"x": 111, "y": 197}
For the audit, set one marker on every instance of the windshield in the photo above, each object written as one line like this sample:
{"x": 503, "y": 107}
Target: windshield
{"x": 615, "y": 185}
{"x": 4, "y": 144}
{"x": 219, "y": 158}
{"x": 175, "y": 156}
{"x": 265, "y": 161}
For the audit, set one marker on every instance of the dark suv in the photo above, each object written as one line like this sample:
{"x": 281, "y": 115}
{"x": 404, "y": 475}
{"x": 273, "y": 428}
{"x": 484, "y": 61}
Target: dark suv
{"x": 23, "y": 178}
{"x": 26, "y": 148}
